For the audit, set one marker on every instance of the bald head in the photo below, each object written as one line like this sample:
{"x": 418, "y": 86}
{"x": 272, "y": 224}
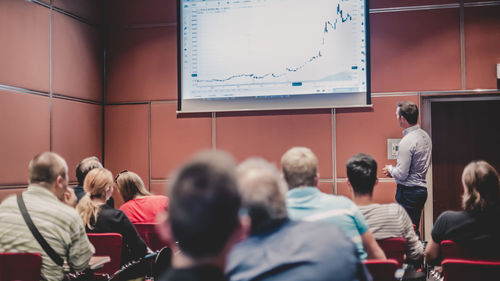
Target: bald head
{"x": 46, "y": 167}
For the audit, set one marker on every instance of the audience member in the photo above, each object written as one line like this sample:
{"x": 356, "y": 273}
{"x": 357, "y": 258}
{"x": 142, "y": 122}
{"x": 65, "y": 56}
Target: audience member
{"x": 58, "y": 223}
{"x": 384, "y": 220}
{"x": 70, "y": 198}
{"x": 101, "y": 218}
{"x": 306, "y": 202}
{"x": 203, "y": 217}
{"x": 281, "y": 249}
{"x": 140, "y": 206}
{"x": 477, "y": 228}
{"x": 82, "y": 169}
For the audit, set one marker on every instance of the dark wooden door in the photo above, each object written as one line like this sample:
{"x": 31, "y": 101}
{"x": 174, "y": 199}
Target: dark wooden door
{"x": 462, "y": 131}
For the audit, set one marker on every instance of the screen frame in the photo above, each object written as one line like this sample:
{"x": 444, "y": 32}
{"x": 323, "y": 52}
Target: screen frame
{"x": 179, "y": 74}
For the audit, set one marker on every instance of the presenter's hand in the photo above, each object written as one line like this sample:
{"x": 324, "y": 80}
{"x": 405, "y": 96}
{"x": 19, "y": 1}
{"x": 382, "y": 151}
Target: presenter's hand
{"x": 385, "y": 170}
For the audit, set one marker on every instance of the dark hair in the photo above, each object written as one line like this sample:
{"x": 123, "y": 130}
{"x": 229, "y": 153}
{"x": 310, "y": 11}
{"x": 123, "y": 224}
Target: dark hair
{"x": 85, "y": 166}
{"x": 362, "y": 173}
{"x": 409, "y": 111}
{"x": 204, "y": 204}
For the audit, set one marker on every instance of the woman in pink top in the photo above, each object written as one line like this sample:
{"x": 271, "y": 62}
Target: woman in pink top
{"x": 140, "y": 206}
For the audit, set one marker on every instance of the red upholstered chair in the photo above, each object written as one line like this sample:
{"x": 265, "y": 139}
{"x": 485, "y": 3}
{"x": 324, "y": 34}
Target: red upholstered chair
{"x": 467, "y": 270}
{"x": 394, "y": 248}
{"x": 382, "y": 270}
{"x": 107, "y": 244}
{"x": 451, "y": 250}
{"x": 148, "y": 233}
{"x": 20, "y": 266}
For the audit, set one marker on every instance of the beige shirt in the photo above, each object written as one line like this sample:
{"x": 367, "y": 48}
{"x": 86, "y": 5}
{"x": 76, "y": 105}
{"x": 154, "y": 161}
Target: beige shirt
{"x": 58, "y": 223}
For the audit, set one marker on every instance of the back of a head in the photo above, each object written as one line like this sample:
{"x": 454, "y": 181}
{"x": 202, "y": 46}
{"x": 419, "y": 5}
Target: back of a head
{"x": 409, "y": 111}
{"x": 204, "y": 204}
{"x": 130, "y": 185}
{"x": 299, "y": 165}
{"x": 85, "y": 166}
{"x": 362, "y": 173}
{"x": 96, "y": 184}
{"x": 46, "y": 167}
{"x": 481, "y": 182}
{"x": 263, "y": 191}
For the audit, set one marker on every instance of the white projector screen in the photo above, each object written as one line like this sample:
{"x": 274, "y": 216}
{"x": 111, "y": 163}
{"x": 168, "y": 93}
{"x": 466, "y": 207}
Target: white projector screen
{"x": 237, "y": 55}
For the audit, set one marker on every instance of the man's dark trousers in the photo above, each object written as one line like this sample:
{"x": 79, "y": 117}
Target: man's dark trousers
{"x": 412, "y": 198}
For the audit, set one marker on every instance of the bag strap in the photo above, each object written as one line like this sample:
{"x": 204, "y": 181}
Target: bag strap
{"x": 46, "y": 247}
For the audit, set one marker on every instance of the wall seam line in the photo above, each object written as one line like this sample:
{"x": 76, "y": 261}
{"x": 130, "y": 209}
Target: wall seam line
{"x": 51, "y": 58}
{"x": 149, "y": 145}
{"x": 462, "y": 46}
{"x": 334, "y": 150}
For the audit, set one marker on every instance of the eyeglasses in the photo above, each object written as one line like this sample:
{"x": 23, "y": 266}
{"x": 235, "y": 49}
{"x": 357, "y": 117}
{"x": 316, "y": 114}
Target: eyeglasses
{"x": 118, "y": 175}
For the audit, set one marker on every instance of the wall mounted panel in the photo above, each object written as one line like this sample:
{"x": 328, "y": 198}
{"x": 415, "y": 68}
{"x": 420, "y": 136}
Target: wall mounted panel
{"x": 142, "y": 65}
{"x": 419, "y": 53}
{"x": 77, "y": 131}
{"x": 25, "y": 47}
{"x": 130, "y": 12}
{"x": 88, "y": 9}
{"x": 24, "y": 123}
{"x": 126, "y": 139}
{"x": 270, "y": 134}
{"x": 159, "y": 187}
{"x": 176, "y": 138}
{"x": 482, "y": 46}
{"x": 326, "y": 187}
{"x": 367, "y": 131}
{"x": 77, "y": 58}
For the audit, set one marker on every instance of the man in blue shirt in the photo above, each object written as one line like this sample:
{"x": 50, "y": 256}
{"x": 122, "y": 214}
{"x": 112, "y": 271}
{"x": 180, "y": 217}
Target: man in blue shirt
{"x": 306, "y": 202}
{"x": 281, "y": 249}
{"x": 414, "y": 158}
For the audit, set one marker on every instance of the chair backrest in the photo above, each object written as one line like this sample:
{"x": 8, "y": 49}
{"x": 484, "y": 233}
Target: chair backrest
{"x": 451, "y": 250}
{"x": 148, "y": 233}
{"x": 394, "y": 248}
{"x": 466, "y": 270}
{"x": 382, "y": 270}
{"x": 20, "y": 266}
{"x": 107, "y": 244}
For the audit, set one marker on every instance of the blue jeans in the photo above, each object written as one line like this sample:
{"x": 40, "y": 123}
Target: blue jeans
{"x": 412, "y": 198}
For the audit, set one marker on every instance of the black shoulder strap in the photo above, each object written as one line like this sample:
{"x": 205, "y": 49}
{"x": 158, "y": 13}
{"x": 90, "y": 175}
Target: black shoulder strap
{"x": 46, "y": 247}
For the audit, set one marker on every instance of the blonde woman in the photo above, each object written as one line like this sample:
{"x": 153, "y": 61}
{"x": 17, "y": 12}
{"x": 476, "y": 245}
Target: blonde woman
{"x": 140, "y": 206}
{"x": 100, "y": 218}
{"x": 477, "y": 228}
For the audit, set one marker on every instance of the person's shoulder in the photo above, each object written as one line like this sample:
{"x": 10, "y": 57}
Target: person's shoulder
{"x": 451, "y": 216}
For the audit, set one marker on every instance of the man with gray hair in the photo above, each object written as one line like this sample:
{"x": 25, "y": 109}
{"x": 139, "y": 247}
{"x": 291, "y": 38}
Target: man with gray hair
{"x": 306, "y": 202}
{"x": 59, "y": 224}
{"x": 281, "y": 249}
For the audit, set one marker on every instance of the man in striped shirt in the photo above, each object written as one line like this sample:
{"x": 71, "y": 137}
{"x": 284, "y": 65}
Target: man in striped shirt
{"x": 58, "y": 223}
{"x": 384, "y": 220}
{"x": 306, "y": 202}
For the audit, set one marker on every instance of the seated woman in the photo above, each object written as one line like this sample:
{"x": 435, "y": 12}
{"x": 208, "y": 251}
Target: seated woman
{"x": 100, "y": 218}
{"x": 476, "y": 229}
{"x": 140, "y": 206}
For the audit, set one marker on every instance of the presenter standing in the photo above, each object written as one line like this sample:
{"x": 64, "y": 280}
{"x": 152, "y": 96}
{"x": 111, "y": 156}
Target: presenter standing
{"x": 414, "y": 158}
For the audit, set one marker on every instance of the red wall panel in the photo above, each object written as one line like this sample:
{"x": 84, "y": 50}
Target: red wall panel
{"x": 142, "y": 65}
{"x": 76, "y": 132}
{"x": 271, "y": 134}
{"x": 159, "y": 187}
{"x": 87, "y": 9}
{"x": 24, "y": 123}
{"x": 374, "y": 4}
{"x": 77, "y": 58}
{"x": 367, "y": 131}
{"x": 482, "y": 46}
{"x": 25, "y": 47}
{"x": 175, "y": 138}
{"x": 326, "y": 187}
{"x": 126, "y": 139}
{"x": 419, "y": 53}
{"x": 129, "y": 12}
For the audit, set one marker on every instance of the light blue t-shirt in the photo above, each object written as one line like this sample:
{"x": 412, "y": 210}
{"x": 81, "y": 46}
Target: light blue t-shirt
{"x": 310, "y": 204}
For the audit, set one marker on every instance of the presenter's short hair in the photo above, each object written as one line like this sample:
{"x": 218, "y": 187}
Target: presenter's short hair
{"x": 44, "y": 168}
{"x": 204, "y": 204}
{"x": 409, "y": 111}
{"x": 481, "y": 186}
{"x": 362, "y": 173}
{"x": 299, "y": 165}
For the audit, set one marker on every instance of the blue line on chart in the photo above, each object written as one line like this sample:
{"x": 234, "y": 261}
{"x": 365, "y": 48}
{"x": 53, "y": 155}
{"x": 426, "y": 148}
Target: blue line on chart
{"x": 328, "y": 24}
